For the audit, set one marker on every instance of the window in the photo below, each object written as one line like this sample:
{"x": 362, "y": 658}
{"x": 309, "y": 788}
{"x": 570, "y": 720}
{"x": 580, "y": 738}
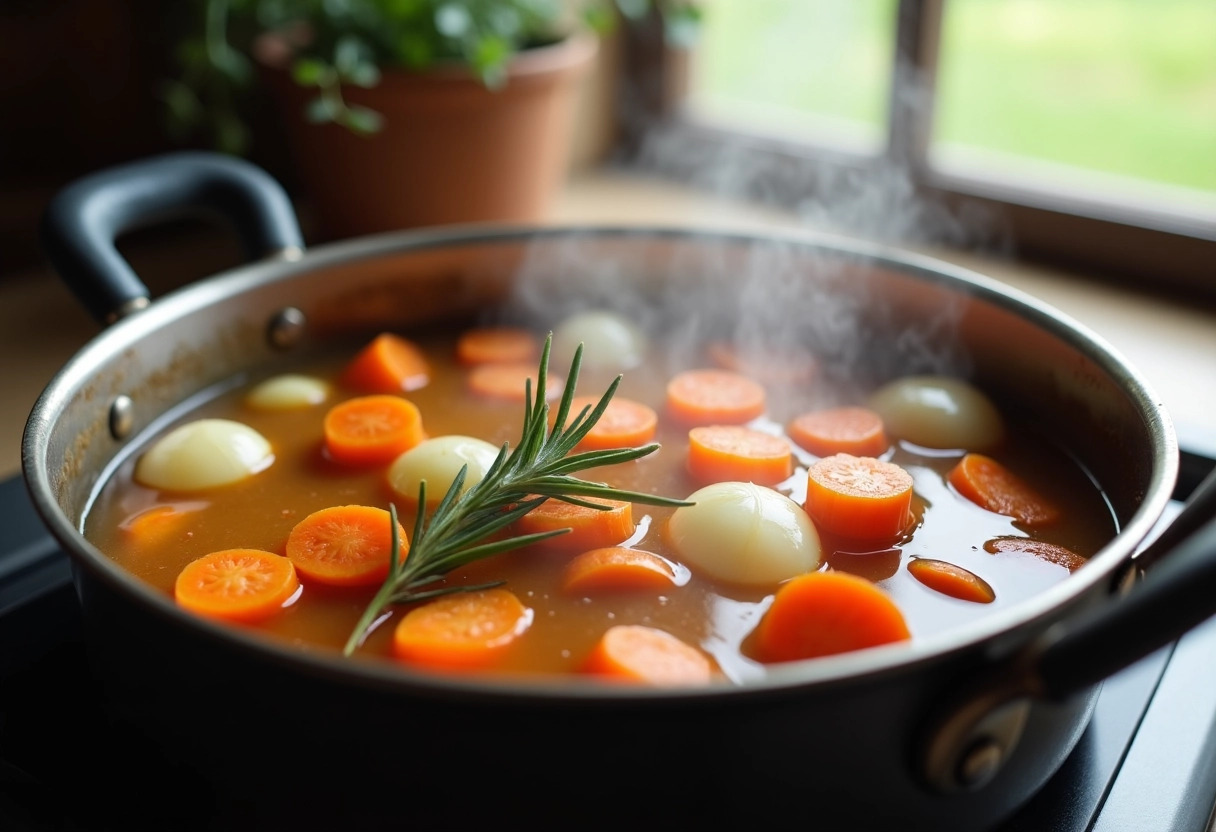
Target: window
{"x": 1082, "y": 132}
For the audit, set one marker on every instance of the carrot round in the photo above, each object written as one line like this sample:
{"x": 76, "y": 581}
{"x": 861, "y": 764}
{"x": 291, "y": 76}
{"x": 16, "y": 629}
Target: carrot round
{"x": 841, "y": 430}
{"x": 625, "y": 423}
{"x": 344, "y": 545}
{"x": 617, "y": 569}
{"x": 370, "y": 430}
{"x": 496, "y": 344}
{"x": 714, "y": 397}
{"x": 824, "y": 613}
{"x": 236, "y": 585}
{"x": 633, "y": 653}
{"x": 388, "y": 364}
{"x": 951, "y": 579}
{"x": 990, "y": 485}
{"x": 1050, "y": 552}
{"x": 590, "y": 528}
{"x": 859, "y": 497}
{"x": 153, "y": 525}
{"x": 464, "y": 630}
{"x": 508, "y": 380}
{"x": 785, "y": 366}
{"x": 733, "y": 453}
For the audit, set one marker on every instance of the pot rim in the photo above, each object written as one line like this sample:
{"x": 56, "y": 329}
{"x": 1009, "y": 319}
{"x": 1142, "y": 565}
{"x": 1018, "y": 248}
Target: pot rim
{"x": 1031, "y": 614}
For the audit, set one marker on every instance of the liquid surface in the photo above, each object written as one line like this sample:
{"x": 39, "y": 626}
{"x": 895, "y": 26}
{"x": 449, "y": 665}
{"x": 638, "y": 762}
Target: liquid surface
{"x": 717, "y": 618}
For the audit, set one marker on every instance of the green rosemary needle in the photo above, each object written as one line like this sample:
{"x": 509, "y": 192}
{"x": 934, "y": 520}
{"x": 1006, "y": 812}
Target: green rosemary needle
{"x": 539, "y": 468}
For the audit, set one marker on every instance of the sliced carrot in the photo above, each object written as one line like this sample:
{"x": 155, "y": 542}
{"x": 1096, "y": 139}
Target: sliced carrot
{"x": 508, "y": 380}
{"x": 344, "y": 545}
{"x": 774, "y": 366}
{"x": 590, "y": 528}
{"x": 464, "y": 630}
{"x": 951, "y": 579}
{"x": 824, "y": 613}
{"x": 733, "y": 453}
{"x": 617, "y": 569}
{"x": 1050, "y": 552}
{"x": 859, "y": 497}
{"x": 237, "y": 585}
{"x": 714, "y": 397}
{"x": 370, "y": 430}
{"x": 389, "y": 364}
{"x": 840, "y": 430}
{"x": 989, "y": 484}
{"x": 154, "y": 525}
{"x": 625, "y": 423}
{"x": 633, "y": 653}
{"x": 499, "y": 344}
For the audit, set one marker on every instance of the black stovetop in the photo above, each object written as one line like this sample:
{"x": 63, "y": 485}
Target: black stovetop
{"x": 1147, "y": 760}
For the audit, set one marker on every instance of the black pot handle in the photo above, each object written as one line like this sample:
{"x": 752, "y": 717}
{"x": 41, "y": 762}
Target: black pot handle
{"x": 83, "y": 221}
{"x": 1177, "y": 594}
{"x": 972, "y": 735}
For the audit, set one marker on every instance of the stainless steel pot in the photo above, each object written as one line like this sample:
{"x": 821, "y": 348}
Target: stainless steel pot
{"x": 952, "y": 732}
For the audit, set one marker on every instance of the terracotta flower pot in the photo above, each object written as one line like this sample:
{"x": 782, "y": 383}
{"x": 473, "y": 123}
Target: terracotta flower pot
{"x": 450, "y": 150}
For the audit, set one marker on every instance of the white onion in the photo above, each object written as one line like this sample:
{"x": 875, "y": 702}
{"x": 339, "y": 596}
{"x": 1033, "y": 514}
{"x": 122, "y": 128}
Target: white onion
{"x": 939, "y": 412}
{"x": 744, "y": 533}
{"x": 204, "y": 454}
{"x": 438, "y": 461}
{"x": 609, "y": 341}
{"x": 287, "y": 392}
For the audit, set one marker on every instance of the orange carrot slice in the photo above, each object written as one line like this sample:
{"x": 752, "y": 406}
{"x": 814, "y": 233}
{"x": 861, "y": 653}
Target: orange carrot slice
{"x": 389, "y": 364}
{"x": 733, "y": 453}
{"x": 625, "y": 423}
{"x": 483, "y": 345}
{"x": 951, "y": 579}
{"x": 841, "y": 430}
{"x": 460, "y": 631}
{"x": 590, "y": 528}
{"x": 617, "y": 569}
{"x": 236, "y": 585}
{"x": 344, "y": 545}
{"x": 824, "y": 613}
{"x": 1050, "y": 552}
{"x": 714, "y": 397}
{"x": 633, "y": 653}
{"x": 784, "y": 366}
{"x": 508, "y": 380}
{"x": 991, "y": 485}
{"x": 154, "y": 525}
{"x": 859, "y": 497}
{"x": 371, "y": 430}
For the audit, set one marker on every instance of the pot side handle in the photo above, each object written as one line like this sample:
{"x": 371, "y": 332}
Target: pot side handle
{"x": 82, "y": 222}
{"x": 971, "y": 737}
{"x": 1177, "y": 594}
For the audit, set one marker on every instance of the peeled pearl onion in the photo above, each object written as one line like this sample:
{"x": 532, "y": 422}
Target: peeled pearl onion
{"x": 609, "y": 341}
{"x": 938, "y": 412}
{"x": 204, "y": 454}
{"x": 438, "y": 461}
{"x": 744, "y": 533}
{"x": 288, "y": 392}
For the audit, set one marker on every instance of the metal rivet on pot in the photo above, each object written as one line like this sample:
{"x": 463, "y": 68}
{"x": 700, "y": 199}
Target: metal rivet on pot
{"x": 980, "y": 763}
{"x": 286, "y": 328}
{"x": 122, "y": 417}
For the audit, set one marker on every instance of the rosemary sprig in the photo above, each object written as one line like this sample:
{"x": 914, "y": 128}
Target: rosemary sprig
{"x": 539, "y": 468}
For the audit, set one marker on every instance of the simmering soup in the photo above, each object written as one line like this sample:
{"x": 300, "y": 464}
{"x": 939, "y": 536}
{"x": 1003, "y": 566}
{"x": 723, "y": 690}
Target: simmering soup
{"x": 823, "y": 518}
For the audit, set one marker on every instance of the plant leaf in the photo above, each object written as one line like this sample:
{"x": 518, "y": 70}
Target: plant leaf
{"x": 361, "y": 120}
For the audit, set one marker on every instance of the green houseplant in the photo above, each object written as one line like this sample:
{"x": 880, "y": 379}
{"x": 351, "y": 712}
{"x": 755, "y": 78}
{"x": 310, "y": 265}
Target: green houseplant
{"x": 403, "y": 112}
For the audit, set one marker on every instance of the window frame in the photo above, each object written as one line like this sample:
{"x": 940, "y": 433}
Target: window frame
{"x": 1170, "y": 253}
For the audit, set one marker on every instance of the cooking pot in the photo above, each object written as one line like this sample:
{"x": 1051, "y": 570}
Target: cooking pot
{"x": 951, "y": 731}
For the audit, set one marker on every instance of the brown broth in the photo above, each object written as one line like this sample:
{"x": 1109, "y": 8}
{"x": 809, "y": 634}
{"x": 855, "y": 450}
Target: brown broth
{"x": 260, "y": 512}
